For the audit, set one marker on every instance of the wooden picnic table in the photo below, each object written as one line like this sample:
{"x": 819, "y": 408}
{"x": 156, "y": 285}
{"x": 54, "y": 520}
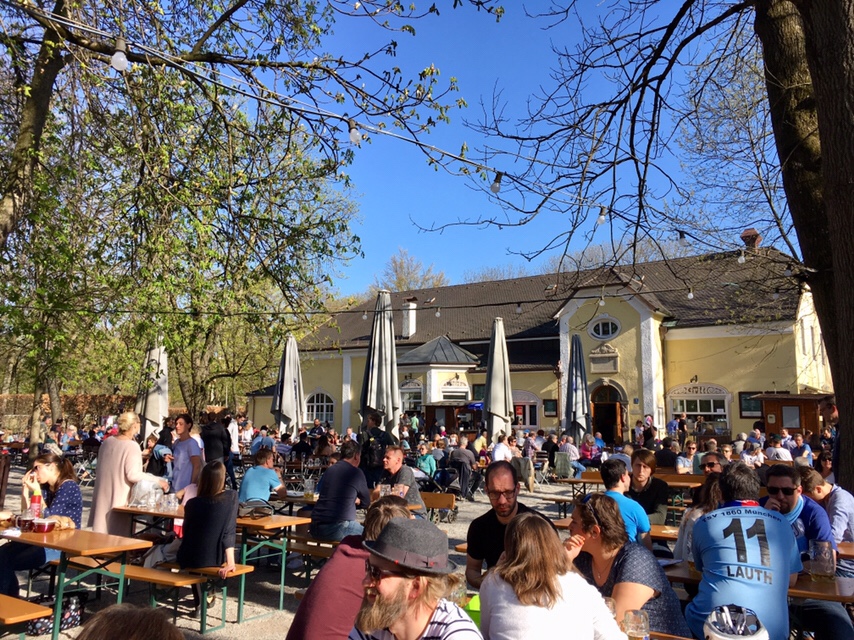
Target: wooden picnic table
{"x": 839, "y": 590}
{"x": 846, "y": 550}
{"x": 75, "y": 542}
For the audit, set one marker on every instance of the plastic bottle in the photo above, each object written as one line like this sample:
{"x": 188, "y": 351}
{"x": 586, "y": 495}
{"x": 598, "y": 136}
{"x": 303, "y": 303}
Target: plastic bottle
{"x": 36, "y": 503}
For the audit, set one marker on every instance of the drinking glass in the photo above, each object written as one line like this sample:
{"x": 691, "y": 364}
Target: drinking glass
{"x": 636, "y": 624}
{"x": 822, "y": 566}
{"x": 612, "y": 606}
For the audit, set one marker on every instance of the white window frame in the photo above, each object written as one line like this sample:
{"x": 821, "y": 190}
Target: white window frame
{"x": 599, "y": 320}
{"x": 327, "y": 405}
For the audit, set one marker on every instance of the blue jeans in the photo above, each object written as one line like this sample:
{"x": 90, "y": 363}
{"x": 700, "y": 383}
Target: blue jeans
{"x": 579, "y": 468}
{"x": 15, "y": 556}
{"x": 336, "y": 530}
{"x": 229, "y": 469}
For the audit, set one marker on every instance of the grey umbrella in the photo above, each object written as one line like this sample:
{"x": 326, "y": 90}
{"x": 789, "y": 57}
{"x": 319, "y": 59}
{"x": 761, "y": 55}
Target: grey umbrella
{"x": 152, "y": 401}
{"x": 577, "y": 400}
{"x": 498, "y": 398}
{"x": 288, "y": 406}
{"x": 380, "y": 390}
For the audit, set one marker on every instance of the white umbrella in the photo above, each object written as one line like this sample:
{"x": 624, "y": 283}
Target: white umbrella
{"x": 577, "y": 400}
{"x": 380, "y": 390}
{"x": 152, "y": 402}
{"x": 288, "y": 406}
{"x": 498, "y": 398}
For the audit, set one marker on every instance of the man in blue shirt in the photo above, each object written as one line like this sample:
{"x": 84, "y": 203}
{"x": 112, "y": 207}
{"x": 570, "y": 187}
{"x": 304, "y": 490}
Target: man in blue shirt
{"x": 839, "y": 505}
{"x": 261, "y": 480}
{"x": 827, "y": 620}
{"x": 801, "y": 449}
{"x": 262, "y": 441}
{"x": 747, "y": 555}
{"x": 616, "y": 478}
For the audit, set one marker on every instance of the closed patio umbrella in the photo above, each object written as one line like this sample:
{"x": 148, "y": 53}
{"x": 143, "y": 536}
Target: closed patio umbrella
{"x": 288, "y": 406}
{"x": 498, "y": 397}
{"x": 577, "y": 400}
{"x": 152, "y": 402}
{"x": 380, "y": 389}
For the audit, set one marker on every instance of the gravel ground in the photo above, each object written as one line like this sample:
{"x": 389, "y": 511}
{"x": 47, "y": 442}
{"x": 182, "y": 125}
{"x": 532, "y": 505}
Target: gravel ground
{"x": 262, "y": 586}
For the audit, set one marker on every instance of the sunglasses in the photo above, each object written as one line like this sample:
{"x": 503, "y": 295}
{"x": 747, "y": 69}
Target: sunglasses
{"x": 378, "y": 574}
{"x": 710, "y": 465}
{"x": 786, "y": 491}
{"x": 692, "y": 448}
{"x": 590, "y": 508}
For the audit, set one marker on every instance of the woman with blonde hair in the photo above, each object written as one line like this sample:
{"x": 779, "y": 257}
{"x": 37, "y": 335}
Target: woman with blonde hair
{"x": 119, "y": 468}
{"x": 533, "y": 589}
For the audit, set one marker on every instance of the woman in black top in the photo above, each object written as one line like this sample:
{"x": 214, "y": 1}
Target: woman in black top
{"x": 210, "y": 524}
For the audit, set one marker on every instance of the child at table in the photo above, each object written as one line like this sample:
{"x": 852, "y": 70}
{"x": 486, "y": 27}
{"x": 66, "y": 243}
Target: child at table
{"x": 54, "y": 476}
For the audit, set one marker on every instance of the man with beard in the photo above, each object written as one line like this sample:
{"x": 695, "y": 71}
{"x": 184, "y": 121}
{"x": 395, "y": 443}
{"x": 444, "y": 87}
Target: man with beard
{"x": 485, "y": 538}
{"x": 340, "y": 579}
{"x": 407, "y": 577}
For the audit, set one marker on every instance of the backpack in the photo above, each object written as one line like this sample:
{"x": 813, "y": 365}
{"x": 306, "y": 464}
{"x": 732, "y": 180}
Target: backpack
{"x": 373, "y": 450}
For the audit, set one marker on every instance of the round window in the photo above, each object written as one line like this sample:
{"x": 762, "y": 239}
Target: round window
{"x": 604, "y": 328}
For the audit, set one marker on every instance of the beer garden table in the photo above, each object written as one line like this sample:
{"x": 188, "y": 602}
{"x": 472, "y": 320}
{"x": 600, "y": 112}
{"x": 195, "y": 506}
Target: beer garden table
{"x": 71, "y": 543}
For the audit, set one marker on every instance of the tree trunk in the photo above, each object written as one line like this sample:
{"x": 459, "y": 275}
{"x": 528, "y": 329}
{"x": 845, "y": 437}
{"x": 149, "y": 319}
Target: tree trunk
{"x": 830, "y": 54}
{"x": 53, "y": 387}
{"x": 19, "y": 183}
{"x": 36, "y": 419}
{"x": 809, "y": 64}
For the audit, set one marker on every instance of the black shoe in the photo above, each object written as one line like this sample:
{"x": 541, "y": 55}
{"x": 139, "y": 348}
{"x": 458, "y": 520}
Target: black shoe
{"x": 470, "y": 498}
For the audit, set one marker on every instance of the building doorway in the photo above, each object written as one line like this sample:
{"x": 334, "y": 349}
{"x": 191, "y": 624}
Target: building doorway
{"x": 608, "y": 413}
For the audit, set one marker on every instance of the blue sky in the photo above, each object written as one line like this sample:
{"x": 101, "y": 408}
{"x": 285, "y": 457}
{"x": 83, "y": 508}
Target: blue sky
{"x": 394, "y": 186}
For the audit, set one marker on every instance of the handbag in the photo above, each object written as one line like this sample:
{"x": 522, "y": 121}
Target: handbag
{"x": 255, "y": 509}
{"x": 72, "y": 610}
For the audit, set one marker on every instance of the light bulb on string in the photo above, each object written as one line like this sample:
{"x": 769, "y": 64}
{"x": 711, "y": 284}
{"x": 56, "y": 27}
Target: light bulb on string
{"x": 776, "y": 295}
{"x": 691, "y": 293}
{"x": 787, "y": 272}
{"x": 119, "y": 61}
{"x": 439, "y": 312}
{"x": 601, "y": 301}
{"x": 518, "y": 307}
{"x": 741, "y": 257}
{"x": 365, "y": 316}
{"x": 603, "y": 216}
{"x": 495, "y": 187}
{"x": 683, "y": 239}
{"x": 355, "y": 136}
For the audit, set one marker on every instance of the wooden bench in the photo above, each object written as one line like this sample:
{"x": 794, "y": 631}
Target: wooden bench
{"x": 439, "y": 501}
{"x": 15, "y": 613}
{"x": 314, "y": 552}
{"x": 166, "y": 580}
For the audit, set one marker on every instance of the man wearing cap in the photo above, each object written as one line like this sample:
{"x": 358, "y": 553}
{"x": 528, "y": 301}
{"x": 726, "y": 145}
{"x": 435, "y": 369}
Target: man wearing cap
{"x": 262, "y": 441}
{"x": 777, "y": 451}
{"x": 485, "y": 538}
{"x": 407, "y": 578}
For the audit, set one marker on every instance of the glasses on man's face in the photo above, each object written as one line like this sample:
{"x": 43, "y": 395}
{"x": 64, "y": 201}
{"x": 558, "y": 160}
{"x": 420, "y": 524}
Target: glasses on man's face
{"x": 692, "y": 448}
{"x": 378, "y": 574}
{"x": 786, "y": 491}
{"x": 495, "y": 495}
{"x": 710, "y": 465}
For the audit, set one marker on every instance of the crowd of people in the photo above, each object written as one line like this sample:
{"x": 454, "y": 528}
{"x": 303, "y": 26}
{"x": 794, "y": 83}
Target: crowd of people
{"x": 391, "y": 576}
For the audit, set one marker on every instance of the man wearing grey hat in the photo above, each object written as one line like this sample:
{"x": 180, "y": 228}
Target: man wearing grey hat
{"x": 407, "y": 578}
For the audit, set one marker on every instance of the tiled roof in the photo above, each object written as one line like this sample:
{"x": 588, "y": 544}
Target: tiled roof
{"x": 438, "y": 351}
{"x": 724, "y": 292}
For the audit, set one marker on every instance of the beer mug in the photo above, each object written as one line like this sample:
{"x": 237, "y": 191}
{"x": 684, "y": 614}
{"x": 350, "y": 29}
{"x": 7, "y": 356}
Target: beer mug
{"x": 822, "y": 565}
{"x": 636, "y": 624}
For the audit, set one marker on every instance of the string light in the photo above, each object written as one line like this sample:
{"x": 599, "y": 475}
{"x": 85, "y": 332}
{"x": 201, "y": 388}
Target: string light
{"x": 787, "y": 272}
{"x": 518, "y": 307}
{"x": 365, "y": 316}
{"x": 741, "y": 257}
{"x": 439, "y": 312}
{"x": 119, "y": 61}
{"x": 603, "y": 216}
{"x": 601, "y": 301}
{"x": 496, "y": 184}
{"x": 355, "y": 136}
{"x": 683, "y": 239}
{"x": 691, "y": 293}
{"x": 776, "y": 295}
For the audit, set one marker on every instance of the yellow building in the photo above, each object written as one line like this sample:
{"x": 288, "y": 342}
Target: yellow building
{"x": 701, "y": 335}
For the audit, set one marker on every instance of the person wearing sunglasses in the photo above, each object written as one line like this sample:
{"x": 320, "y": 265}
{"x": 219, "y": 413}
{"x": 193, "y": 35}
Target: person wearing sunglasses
{"x": 685, "y": 462}
{"x": 713, "y": 462}
{"x": 408, "y": 577}
{"x": 746, "y": 554}
{"x": 809, "y": 521}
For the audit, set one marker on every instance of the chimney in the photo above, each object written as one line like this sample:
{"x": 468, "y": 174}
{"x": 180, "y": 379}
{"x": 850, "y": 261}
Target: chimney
{"x": 409, "y": 317}
{"x": 751, "y": 238}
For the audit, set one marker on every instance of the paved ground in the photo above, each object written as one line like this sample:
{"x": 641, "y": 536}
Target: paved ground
{"x": 262, "y": 585}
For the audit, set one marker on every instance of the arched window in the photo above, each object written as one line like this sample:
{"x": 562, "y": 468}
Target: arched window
{"x": 604, "y": 328}
{"x": 320, "y": 406}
